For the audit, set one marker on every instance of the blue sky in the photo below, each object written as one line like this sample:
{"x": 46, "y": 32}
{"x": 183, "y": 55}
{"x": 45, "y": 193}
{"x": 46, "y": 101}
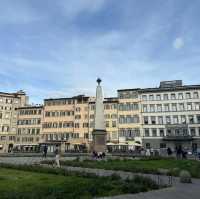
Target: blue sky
{"x": 58, "y": 48}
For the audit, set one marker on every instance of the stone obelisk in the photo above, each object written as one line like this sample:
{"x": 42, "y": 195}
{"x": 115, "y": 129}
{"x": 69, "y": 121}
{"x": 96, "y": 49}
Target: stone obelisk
{"x": 99, "y": 132}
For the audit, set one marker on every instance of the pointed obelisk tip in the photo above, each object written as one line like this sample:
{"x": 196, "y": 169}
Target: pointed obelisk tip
{"x": 99, "y": 81}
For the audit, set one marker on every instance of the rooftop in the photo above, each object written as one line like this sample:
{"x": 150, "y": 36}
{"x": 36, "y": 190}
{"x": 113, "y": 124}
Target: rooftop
{"x": 164, "y": 86}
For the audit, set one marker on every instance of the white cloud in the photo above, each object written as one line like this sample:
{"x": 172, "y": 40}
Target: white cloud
{"x": 71, "y": 8}
{"x": 178, "y": 43}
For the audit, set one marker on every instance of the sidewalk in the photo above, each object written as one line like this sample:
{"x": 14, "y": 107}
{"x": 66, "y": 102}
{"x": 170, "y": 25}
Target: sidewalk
{"x": 177, "y": 191}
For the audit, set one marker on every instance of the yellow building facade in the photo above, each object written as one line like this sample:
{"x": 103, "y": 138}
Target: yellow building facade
{"x": 29, "y": 125}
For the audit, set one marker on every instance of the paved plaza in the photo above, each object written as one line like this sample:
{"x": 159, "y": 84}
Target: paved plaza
{"x": 177, "y": 191}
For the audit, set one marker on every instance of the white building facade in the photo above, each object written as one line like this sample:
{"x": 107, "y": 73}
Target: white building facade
{"x": 171, "y": 116}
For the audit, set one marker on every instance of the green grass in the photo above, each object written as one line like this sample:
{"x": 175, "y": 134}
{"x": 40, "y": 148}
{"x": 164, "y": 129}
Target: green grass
{"x": 144, "y": 166}
{"x": 44, "y": 183}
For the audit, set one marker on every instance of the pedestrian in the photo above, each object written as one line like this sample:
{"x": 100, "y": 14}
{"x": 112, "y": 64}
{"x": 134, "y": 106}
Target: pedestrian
{"x": 57, "y": 156}
{"x": 45, "y": 151}
{"x": 148, "y": 153}
{"x": 169, "y": 151}
{"x": 179, "y": 152}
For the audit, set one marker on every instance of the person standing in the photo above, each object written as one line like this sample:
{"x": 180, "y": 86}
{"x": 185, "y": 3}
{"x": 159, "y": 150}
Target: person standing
{"x": 57, "y": 156}
{"x": 45, "y": 150}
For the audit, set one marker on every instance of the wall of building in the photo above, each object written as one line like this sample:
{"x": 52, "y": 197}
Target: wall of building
{"x": 8, "y": 118}
{"x": 29, "y": 126}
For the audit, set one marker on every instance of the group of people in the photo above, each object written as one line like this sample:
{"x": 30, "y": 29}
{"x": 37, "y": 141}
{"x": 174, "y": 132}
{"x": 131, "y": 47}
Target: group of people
{"x": 56, "y": 152}
{"x": 181, "y": 153}
{"x": 98, "y": 155}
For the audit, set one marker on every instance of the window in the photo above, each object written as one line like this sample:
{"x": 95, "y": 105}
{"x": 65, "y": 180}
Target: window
{"x": 181, "y": 107}
{"x": 92, "y": 124}
{"x": 165, "y": 97}
{"x": 114, "y": 135}
{"x": 85, "y": 125}
{"x": 78, "y": 109}
{"x": 114, "y": 124}
{"x": 159, "y": 107}
{"x": 196, "y": 95}
{"x": 77, "y": 125}
{"x": 153, "y": 120}
{"x": 146, "y": 132}
{"x": 144, "y": 108}
{"x": 191, "y": 119}
{"x": 197, "y": 106}
{"x": 154, "y": 132}
{"x": 158, "y": 97}
{"x": 189, "y": 106}
{"x": 161, "y": 132}
{"x": 198, "y": 119}
{"x": 175, "y": 119}
{"x": 160, "y": 120}
{"x": 146, "y": 120}
{"x": 180, "y": 96}
{"x": 166, "y": 107}
{"x": 107, "y": 124}
{"x": 92, "y": 116}
{"x": 168, "y": 120}
{"x": 144, "y": 97}
{"x": 107, "y": 116}
{"x": 169, "y": 132}
{"x": 188, "y": 95}
{"x": 86, "y": 135}
{"x": 183, "y": 119}
{"x": 148, "y": 145}
{"x": 174, "y": 107}
{"x": 152, "y": 108}
{"x": 114, "y": 116}
{"x": 173, "y": 96}
{"x": 192, "y": 132}
{"x": 163, "y": 145}
{"x": 151, "y": 97}
{"x": 0, "y": 115}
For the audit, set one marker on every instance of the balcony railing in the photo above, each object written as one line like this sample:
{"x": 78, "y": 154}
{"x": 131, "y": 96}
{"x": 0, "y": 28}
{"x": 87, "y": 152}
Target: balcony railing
{"x": 178, "y": 138}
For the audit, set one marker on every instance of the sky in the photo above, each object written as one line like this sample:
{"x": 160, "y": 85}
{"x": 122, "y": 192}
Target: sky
{"x": 58, "y": 48}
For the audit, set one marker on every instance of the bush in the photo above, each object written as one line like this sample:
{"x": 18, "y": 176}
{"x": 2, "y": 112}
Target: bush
{"x": 185, "y": 177}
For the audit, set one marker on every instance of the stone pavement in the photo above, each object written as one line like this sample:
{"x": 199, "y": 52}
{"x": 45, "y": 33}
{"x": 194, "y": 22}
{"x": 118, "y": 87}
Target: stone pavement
{"x": 177, "y": 191}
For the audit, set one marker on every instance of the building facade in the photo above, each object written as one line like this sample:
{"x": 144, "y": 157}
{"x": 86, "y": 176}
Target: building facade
{"x": 8, "y": 118}
{"x": 29, "y": 125}
{"x": 161, "y": 117}
{"x": 66, "y": 123}
{"x": 171, "y": 116}
{"x": 129, "y": 115}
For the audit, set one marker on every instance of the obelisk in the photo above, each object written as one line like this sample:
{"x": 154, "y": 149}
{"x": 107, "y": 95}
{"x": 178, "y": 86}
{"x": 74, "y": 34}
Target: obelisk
{"x": 99, "y": 132}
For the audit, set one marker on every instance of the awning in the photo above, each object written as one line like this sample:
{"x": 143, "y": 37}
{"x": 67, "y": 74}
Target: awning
{"x": 133, "y": 143}
{"x": 120, "y": 144}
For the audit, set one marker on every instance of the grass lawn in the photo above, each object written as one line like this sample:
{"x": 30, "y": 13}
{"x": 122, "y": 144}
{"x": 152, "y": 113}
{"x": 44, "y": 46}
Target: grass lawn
{"x": 19, "y": 184}
{"x": 144, "y": 166}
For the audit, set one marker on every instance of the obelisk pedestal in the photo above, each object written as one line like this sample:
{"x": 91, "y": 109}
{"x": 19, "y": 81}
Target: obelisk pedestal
{"x": 99, "y": 132}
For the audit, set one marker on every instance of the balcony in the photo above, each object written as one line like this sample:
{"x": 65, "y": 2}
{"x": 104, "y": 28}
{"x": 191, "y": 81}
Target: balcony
{"x": 177, "y": 132}
{"x": 178, "y": 138}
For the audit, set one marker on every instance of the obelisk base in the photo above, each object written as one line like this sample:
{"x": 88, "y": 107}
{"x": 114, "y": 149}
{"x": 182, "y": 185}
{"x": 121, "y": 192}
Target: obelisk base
{"x": 99, "y": 141}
